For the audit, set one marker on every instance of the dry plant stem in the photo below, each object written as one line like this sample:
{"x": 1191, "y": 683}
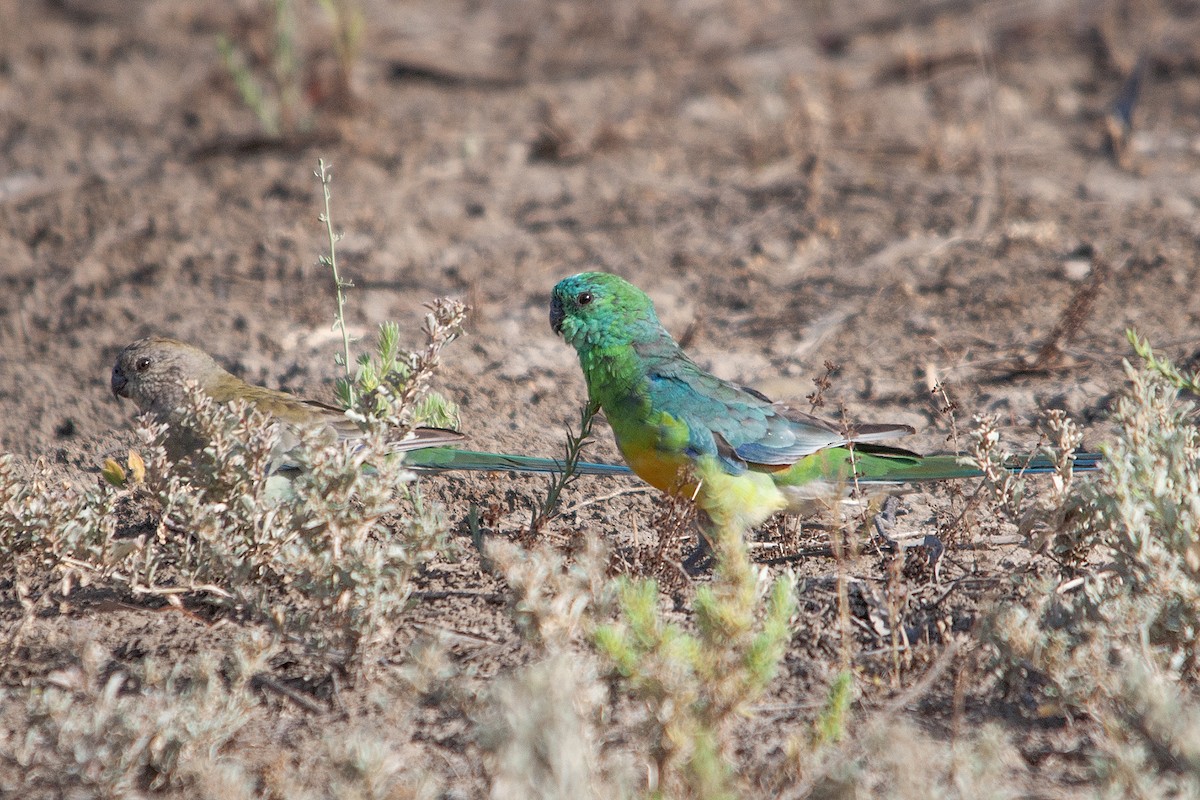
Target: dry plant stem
{"x": 816, "y": 398}
{"x": 1072, "y": 318}
{"x": 845, "y": 548}
{"x": 348, "y": 24}
{"x": 603, "y": 498}
{"x": 443, "y": 324}
{"x": 899, "y": 638}
{"x": 947, "y": 409}
{"x": 547, "y": 509}
{"x": 671, "y": 524}
{"x": 325, "y": 176}
{"x": 837, "y": 539}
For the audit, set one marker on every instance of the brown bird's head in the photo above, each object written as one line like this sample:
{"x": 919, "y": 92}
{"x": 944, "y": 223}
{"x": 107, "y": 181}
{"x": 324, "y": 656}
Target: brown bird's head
{"x": 151, "y": 372}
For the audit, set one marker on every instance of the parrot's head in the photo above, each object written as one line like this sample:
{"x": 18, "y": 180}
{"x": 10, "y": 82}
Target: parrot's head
{"x": 151, "y": 372}
{"x": 595, "y": 309}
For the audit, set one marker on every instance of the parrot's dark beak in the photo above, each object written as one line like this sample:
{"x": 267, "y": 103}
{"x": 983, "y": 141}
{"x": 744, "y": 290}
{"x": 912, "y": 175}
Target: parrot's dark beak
{"x": 556, "y": 316}
{"x": 118, "y": 383}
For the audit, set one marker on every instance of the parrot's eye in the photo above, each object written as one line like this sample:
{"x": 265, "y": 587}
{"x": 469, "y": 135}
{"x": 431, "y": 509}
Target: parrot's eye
{"x": 584, "y": 298}
{"x": 142, "y": 364}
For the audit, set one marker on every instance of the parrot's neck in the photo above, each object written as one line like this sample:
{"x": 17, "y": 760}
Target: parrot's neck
{"x": 618, "y": 371}
{"x": 612, "y": 353}
{"x": 612, "y": 373}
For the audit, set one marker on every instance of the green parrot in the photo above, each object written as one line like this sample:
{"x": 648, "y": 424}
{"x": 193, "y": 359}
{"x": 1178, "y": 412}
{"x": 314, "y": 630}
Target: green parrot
{"x": 739, "y": 455}
{"x": 152, "y": 373}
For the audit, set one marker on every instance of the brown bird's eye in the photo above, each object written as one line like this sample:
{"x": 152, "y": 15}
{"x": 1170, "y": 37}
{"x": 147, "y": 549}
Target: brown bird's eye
{"x": 142, "y": 364}
{"x": 584, "y": 298}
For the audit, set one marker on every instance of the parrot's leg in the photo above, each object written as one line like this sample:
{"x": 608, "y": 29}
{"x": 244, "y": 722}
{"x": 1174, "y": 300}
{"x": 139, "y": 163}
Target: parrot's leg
{"x": 885, "y": 520}
{"x": 701, "y": 558}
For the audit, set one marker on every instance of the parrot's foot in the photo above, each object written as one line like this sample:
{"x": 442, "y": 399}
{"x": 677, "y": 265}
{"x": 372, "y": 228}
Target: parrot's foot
{"x": 701, "y": 558}
{"x": 885, "y": 520}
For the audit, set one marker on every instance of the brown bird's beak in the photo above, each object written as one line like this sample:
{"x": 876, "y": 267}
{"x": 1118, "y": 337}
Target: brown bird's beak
{"x": 118, "y": 383}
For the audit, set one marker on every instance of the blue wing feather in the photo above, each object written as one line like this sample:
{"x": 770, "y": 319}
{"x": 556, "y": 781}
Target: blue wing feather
{"x": 742, "y": 426}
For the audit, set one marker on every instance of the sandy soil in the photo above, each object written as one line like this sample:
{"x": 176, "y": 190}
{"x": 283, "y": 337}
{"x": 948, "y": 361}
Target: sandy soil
{"x": 915, "y": 192}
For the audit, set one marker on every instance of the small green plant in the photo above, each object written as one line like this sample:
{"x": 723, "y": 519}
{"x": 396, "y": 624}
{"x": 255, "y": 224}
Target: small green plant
{"x": 388, "y": 383}
{"x": 694, "y": 684}
{"x": 382, "y": 384}
{"x": 545, "y": 510}
{"x": 1163, "y": 366}
{"x": 270, "y": 79}
{"x": 832, "y": 725}
{"x": 275, "y": 102}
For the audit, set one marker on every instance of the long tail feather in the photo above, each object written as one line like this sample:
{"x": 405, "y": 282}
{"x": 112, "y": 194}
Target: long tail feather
{"x": 1040, "y": 465}
{"x": 437, "y": 459}
{"x": 945, "y": 467}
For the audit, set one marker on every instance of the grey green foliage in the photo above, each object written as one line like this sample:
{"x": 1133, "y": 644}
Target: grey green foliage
{"x": 1118, "y": 636}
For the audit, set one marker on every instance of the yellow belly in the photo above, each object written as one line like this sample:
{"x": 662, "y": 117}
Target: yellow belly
{"x": 738, "y": 502}
{"x": 655, "y": 450}
{"x": 668, "y": 472}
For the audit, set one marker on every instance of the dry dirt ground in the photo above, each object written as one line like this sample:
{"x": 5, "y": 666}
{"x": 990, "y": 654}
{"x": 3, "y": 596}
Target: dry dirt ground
{"x": 917, "y": 192}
